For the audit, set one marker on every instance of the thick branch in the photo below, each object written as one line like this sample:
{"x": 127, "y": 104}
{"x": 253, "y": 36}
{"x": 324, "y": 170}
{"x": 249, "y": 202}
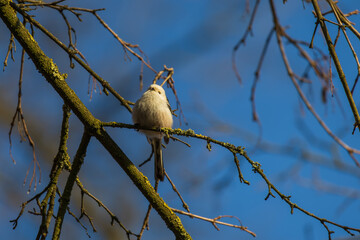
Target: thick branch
{"x": 334, "y": 56}
{"x": 58, "y": 165}
{"x": 51, "y": 72}
{"x": 65, "y": 199}
{"x": 237, "y": 150}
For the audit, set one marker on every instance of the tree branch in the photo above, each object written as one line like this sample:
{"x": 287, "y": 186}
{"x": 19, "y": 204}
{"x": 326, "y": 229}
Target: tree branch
{"x": 256, "y": 167}
{"x": 334, "y": 56}
{"x": 50, "y": 71}
{"x": 65, "y": 198}
{"x": 58, "y": 165}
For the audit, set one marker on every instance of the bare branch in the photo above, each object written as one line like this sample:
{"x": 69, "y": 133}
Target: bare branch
{"x": 11, "y": 50}
{"x": 238, "y": 150}
{"x": 215, "y": 221}
{"x": 243, "y": 40}
{"x": 23, "y": 131}
{"x": 65, "y": 198}
{"x": 335, "y": 58}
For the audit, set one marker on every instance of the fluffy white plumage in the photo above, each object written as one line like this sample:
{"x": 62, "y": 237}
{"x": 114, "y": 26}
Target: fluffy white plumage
{"x": 152, "y": 110}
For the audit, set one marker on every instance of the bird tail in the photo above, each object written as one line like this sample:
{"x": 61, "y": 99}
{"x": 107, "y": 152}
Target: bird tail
{"x": 159, "y": 165}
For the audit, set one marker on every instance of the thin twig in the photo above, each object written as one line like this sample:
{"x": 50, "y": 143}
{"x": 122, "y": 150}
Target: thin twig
{"x": 178, "y": 193}
{"x": 257, "y": 167}
{"x": 24, "y": 204}
{"x": 58, "y": 165}
{"x": 215, "y": 221}
{"x": 127, "y": 46}
{"x": 238, "y": 150}
{"x": 337, "y": 64}
{"x": 338, "y": 13}
{"x": 237, "y": 163}
{"x": 104, "y": 83}
{"x": 179, "y": 140}
{"x": 145, "y": 224}
{"x": 279, "y": 34}
{"x": 243, "y": 40}
{"x": 11, "y": 50}
{"x": 74, "y": 216}
{"x": 23, "y": 130}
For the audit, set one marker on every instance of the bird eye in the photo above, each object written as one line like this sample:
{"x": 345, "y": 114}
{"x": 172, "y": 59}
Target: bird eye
{"x": 159, "y": 92}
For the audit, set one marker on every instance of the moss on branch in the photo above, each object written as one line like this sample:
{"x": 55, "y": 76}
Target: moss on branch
{"x": 50, "y": 71}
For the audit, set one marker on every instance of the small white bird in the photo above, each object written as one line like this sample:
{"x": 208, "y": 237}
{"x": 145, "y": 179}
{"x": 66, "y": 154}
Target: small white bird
{"x": 152, "y": 110}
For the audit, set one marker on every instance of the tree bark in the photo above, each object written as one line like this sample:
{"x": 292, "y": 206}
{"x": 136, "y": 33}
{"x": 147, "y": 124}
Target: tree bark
{"x": 50, "y": 71}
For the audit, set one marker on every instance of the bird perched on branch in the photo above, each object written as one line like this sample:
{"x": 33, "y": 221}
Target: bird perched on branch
{"x": 152, "y": 110}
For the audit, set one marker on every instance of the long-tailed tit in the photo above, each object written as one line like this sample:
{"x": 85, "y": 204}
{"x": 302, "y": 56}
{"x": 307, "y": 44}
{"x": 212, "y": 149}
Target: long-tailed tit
{"x": 152, "y": 110}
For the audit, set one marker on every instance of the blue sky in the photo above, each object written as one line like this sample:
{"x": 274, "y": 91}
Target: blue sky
{"x": 196, "y": 39}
